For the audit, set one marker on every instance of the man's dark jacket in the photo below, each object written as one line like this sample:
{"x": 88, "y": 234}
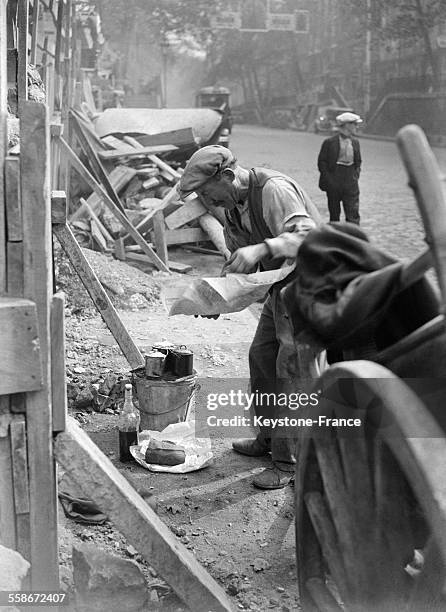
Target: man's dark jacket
{"x": 328, "y": 157}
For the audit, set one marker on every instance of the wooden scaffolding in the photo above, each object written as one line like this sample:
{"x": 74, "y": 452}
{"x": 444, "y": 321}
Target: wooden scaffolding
{"x": 34, "y": 429}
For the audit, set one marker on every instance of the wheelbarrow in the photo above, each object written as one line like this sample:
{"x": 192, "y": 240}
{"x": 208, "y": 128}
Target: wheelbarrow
{"x": 371, "y": 500}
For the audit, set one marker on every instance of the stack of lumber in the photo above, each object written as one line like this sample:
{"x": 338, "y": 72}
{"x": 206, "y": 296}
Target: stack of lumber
{"x": 134, "y": 210}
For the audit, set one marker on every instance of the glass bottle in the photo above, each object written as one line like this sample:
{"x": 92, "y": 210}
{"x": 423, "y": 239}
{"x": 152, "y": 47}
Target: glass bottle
{"x": 128, "y": 426}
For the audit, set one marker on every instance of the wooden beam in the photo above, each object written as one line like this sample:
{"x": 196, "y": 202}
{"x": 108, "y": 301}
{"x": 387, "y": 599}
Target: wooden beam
{"x": 61, "y": 5}
{"x": 20, "y": 466}
{"x": 13, "y": 204}
{"x": 183, "y": 136}
{"x": 7, "y": 513}
{"x": 186, "y": 235}
{"x": 119, "y": 249}
{"x": 58, "y": 207}
{"x": 98, "y": 295}
{"x": 163, "y": 166}
{"x": 143, "y": 259}
{"x": 19, "y": 456}
{"x": 14, "y": 252}
{"x": 34, "y": 32}
{"x": 119, "y": 177}
{"x": 20, "y": 367}
{"x": 188, "y": 212}
{"x": 175, "y": 176}
{"x": 58, "y": 375}
{"x": 147, "y": 222}
{"x": 90, "y": 212}
{"x": 132, "y": 152}
{"x": 142, "y": 528}
{"x": 37, "y": 261}
{"x": 22, "y": 67}
{"x": 85, "y": 174}
{"x": 159, "y": 234}
{"x": 94, "y": 161}
{"x": 3, "y": 139}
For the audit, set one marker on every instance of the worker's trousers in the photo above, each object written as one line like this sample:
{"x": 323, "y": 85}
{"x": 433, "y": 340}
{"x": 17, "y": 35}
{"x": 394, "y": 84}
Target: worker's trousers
{"x": 344, "y": 188}
{"x": 279, "y": 366}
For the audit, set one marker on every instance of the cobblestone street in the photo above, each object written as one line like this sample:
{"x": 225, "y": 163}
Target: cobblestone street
{"x": 388, "y": 210}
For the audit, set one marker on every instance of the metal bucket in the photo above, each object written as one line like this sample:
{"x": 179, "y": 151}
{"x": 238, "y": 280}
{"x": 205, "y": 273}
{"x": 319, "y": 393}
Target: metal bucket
{"x": 163, "y": 402}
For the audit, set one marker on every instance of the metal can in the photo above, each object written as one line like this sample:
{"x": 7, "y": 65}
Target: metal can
{"x": 183, "y": 362}
{"x": 155, "y": 363}
{"x": 165, "y": 347}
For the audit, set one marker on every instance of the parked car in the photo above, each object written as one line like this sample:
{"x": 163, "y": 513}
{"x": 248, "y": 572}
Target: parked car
{"x": 217, "y": 98}
{"x": 326, "y": 121}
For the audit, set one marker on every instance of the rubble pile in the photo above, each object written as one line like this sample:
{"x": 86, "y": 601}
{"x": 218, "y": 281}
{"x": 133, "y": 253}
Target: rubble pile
{"x": 139, "y": 172}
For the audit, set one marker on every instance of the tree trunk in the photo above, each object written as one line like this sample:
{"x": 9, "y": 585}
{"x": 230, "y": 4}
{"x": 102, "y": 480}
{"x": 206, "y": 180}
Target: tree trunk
{"x": 427, "y": 45}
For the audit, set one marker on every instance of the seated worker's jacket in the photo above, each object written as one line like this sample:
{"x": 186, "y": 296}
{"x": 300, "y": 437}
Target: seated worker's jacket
{"x": 346, "y": 292}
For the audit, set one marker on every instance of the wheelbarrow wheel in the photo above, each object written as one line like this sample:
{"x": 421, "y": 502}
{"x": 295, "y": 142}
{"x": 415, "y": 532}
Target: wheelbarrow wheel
{"x": 367, "y": 497}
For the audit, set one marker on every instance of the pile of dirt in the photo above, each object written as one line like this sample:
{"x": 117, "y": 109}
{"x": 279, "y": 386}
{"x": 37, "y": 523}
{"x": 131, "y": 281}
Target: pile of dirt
{"x": 127, "y": 286}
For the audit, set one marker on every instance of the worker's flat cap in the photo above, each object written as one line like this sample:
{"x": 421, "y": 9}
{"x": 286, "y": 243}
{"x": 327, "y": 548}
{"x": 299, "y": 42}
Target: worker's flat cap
{"x": 348, "y": 118}
{"x": 203, "y": 165}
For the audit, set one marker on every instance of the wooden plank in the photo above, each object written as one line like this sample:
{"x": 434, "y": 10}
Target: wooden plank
{"x": 175, "y": 176}
{"x": 88, "y": 127}
{"x": 185, "y": 235}
{"x": 105, "y": 233}
{"x": 34, "y": 32}
{"x": 132, "y": 152}
{"x": 3, "y": 139}
{"x": 20, "y": 367}
{"x": 56, "y": 129}
{"x": 183, "y": 136}
{"x": 134, "y": 518}
{"x": 119, "y": 177}
{"x": 37, "y": 260}
{"x": 188, "y": 212}
{"x": 145, "y": 224}
{"x": 20, "y": 466}
{"x": 174, "y": 266}
{"x": 98, "y": 295}
{"x": 97, "y": 237}
{"x": 7, "y": 517}
{"x": 22, "y": 66}
{"x": 119, "y": 249}
{"x": 14, "y": 254}
{"x": 112, "y": 142}
{"x": 82, "y": 170}
{"x": 58, "y": 207}
{"x": 163, "y": 166}
{"x": 13, "y": 204}
{"x": 94, "y": 161}
{"x": 57, "y": 80}
{"x": 159, "y": 234}
{"x": 88, "y": 92}
{"x": 11, "y": 63}
{"x": 58, "y": 380}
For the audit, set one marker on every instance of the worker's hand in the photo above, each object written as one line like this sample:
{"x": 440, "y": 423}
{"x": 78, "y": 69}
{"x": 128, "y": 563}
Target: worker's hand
{"x": 215, "y": 316}
{"x": 244, "y": 260}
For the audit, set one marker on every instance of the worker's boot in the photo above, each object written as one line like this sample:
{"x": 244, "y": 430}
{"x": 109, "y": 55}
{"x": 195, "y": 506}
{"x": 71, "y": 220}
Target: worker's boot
{"x": 253, "y": 447}
{"x": 274, "y": 478}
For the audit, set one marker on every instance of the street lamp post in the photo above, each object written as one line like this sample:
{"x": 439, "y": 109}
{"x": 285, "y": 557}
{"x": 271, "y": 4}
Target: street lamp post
{"x": 164, "y": 44}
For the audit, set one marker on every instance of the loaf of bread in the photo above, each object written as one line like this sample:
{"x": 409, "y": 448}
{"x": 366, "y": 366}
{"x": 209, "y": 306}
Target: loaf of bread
{"x": 164, "y": 453}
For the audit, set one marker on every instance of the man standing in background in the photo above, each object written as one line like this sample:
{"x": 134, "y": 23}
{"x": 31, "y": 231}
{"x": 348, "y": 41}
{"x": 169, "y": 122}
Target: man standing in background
{"x": 339, "y": 164}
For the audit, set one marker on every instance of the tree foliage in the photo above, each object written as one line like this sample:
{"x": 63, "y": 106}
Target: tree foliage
{"x": 256, "y": 61}
{"x": 404, "y": 20}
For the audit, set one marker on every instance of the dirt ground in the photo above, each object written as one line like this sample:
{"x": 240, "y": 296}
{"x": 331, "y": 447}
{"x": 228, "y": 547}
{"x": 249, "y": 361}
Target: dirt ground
{"x": 242, "y": 535}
